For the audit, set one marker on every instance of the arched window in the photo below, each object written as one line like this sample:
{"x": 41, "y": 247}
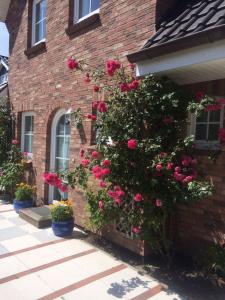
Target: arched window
{"x": 60, "y": 146}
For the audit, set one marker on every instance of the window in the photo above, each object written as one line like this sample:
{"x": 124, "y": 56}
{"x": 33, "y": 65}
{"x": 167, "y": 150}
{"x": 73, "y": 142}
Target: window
{"x": 38, "y": 21}
{"x": 85, "y": 8}
{"x": 205, "y": 128}
{"x": 27, "y": 133}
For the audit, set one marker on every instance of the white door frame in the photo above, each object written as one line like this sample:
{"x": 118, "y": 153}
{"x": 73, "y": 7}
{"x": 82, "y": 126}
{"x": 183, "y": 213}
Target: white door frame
{"x": 55, "y": 121}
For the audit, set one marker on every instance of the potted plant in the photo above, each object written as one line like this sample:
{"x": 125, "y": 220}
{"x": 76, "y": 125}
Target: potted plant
{"x": 62, "y": 218}
{"x": 23, "y": 196}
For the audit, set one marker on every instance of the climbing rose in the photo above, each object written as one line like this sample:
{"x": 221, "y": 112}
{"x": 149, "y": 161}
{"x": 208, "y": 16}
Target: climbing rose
{"x": 101, "y": 204}
{"x": 87, "y": 78}
{"x": 222, "y": 136}
{"x": 186, "y": 160}
{"x": 102, "y": 107}
{"x": 25, "y": 153}
{"x": 95, "y": 154}
{"x": 15, "y": 142}
{"x": 95, "y": 104}
{"x": 91, "y": 117}
{"x": 159, "y": 167}
{"x": 136, "y": 230}
{"x": 199, "y": 95}
{"x": 124, "y": 87}
{"x": 178, "y": 176}
{"x": 112, "y": 66}
{"x": 85, "y": 162}
{"x": 158, "y": 203}
{"x": 138, "y": 197}
{"x": 119, "y": 193}
{"x": 82, "y": 153}
{"x": 118, "y": 201}
{"x": 133, "y": 85}
{"x": 96, "y": 169}
{"x": 187, "y": 179}
{"x": 106, "y": 163}
{"x": 105, "y": 172}
{"x": 169, "y": 166}
{"x": 96, "y": 88}
{"x": 72, "y": 63}
{"x": 102, "y": 184}
{"x": 177, "y": 169}
{"x": 132, "y": 144}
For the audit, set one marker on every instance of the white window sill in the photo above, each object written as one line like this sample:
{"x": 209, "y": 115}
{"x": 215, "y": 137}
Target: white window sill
{"x": 95, "y": 12}
{"x": 41, "y": 41}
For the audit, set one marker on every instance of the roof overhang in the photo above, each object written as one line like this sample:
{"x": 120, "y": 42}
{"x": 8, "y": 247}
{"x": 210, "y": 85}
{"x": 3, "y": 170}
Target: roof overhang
{"x": 4, "y": 6}
{"x": 197, "y": 60}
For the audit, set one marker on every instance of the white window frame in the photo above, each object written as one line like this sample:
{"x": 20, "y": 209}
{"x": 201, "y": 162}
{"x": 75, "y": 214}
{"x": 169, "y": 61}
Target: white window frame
{"x": 24, "y": 115}
{"x": 35, "y": 2}
{"x": 76, "y": 12}
{"x": 203, "y": 144}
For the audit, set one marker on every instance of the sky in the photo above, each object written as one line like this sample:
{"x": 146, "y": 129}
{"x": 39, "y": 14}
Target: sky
{"x": 4, "y": 40}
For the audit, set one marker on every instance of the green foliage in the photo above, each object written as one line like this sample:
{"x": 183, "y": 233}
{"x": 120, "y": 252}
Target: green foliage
{"x": 24, "y": 192}
{"x": 61, "y": 211}
{"x": 5, "y": 129}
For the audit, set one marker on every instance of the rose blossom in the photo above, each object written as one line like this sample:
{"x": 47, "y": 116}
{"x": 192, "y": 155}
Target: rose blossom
{"x": 87, "y": 78}
{"x": 102, "y": 107}
{"x": 132, "y": 144}
{"x": 158, "y": 203}
{"x": 177, "y": 169}
{"x": 112, "y": 66}
{"x": 95, "y": 154}
{"x": 96, "y": 88}
{"x": 106, "y": 162}
{"x": 101, "y": 204}
{"x": 136, "y": 230}
{"x": 15, "y": 142}
{"x": 118, "y": 201}
{"x": 85, "y": 162}
{"x": 72, "y": 63}
{"x": 105, "y": 172}
{"x": 133, "y": 85}
{"x": 138, "y": 197}
{"x": 124, "y": 87}
{"x": 159, "y": 167}
{"x": 102, "y": 184}
{"x": 169, "y": 166}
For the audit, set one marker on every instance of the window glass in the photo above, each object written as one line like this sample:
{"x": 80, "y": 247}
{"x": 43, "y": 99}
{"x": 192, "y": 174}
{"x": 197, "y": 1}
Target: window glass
{"x": 27, "y": 132}
{"x": 86, "y": 7}
{"x": 39, "y": 20}
{"x": 94, "y": 5}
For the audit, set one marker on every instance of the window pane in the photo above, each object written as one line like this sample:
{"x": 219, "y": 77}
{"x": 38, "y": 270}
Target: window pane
{"x": 58, "y": 195}
{"x": 214, "y": 116}
{"x": 37, "y": 32}
{"x": 84, "y": 8}
{"x": 63, "y": 128}
{"x": 62, "y": 164}
{"x": 38, "y": 12}
{"x": 28, "y": 141}
{"x": 62, "y": 147}
{"x": 202, "y": 117}
{"x": 94, "y": 4}
{"x": 201, "y": 131}
{"x": 29, "y": 123}
{"x": 43, "y": 9}
{"x": 213, "y": 132}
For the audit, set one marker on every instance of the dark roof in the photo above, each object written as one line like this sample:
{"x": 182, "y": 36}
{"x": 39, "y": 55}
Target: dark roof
{"x": 187, "y": 19}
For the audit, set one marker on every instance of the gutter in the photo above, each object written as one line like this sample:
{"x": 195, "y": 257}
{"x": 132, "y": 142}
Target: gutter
{"x": 203, "y": 37}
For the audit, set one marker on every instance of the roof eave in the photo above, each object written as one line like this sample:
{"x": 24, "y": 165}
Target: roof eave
{"x": 196, "y": 39}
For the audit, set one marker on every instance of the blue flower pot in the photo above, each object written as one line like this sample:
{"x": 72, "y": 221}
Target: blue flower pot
{"x": 18, "y": 205}
{"x": 63, "y": 228}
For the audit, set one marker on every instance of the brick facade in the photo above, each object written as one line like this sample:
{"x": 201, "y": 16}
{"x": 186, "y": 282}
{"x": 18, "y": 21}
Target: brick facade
{"x": 42, "y": 83}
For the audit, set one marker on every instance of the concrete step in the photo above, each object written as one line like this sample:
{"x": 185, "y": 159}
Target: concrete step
{"x": 37, "y": 216}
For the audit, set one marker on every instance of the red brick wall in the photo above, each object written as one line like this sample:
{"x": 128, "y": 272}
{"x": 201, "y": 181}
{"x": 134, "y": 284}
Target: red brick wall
{"x": 43, "y": 83}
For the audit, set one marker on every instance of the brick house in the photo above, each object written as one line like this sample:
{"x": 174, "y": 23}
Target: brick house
{"x": 44, "y": 33}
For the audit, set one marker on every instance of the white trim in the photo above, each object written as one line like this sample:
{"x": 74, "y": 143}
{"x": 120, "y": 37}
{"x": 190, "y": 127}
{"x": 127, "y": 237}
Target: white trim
{"x": 24, "y": 115}
{"x": 35, "y": 2}
{"x": 76, "y": 13}
{"x": 175, "y": 61}
{"x": 206, "y": 145}
{"x": 55, "y": 121}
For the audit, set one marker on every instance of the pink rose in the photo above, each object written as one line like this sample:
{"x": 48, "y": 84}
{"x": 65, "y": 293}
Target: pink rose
{"x": 133, "y": 85}
{"x": 177, "y": 169}
{"x": 124, "y": 87}
{"x": 72, "y": 63}
{"x": 169, "y": 166}
{"x": 138, "y": 197}
{"x": 102, "y": 107}
{"x": 96, "y": 88}
{"x": 95, "y": 104}
{"x": 106, "y": 163}
{"x": 105, "y": 172}
{"x": 101, "y": 204}
{"x": 15, "y": 142}
{"x": 85, "y": 162}
{"x": 112, "y": 66}
{"x": 159, "y": 167}
{"x": 136, "y": 230}
{"x": 132, "y": 144}
{"x": 95, "y": 154}
{"x": 158, "y": 203}
{"x": 118, "y": 201}
{"x": 102, "y": 184}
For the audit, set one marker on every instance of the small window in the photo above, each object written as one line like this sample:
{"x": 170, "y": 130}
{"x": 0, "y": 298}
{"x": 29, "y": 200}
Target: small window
{"x": 27, "y": 133}
{"x": 38, "y": 21}
{"x": 205, "y": 128}
{"x": 85, "y": 8}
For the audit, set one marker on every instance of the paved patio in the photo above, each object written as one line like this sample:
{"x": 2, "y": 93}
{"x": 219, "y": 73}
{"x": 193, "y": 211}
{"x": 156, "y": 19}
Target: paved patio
{"x": 35, "y": 264}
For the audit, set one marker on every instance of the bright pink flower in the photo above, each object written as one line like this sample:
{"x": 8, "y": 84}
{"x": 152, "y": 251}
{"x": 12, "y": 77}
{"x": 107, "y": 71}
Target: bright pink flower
{"x": 222, "y": 136}
{"x": 178, "y": 176}
{"x": 72, "y": 63}
{"x": 158, "y": 203}
{"x": 95, "y": 154}
{"x": 102, "y": 107}
{"x": 132, "y": 66}
{"x": 177, "y": 169}
{"x": 187, "y": 179}
{"x": 112, "y": 66}
{"x": 118, "y": 201}
{"x": 96, "y": 88}
{"x": 91, "y": 117}
{"x": 132, "y": 144}
{"x": 87, "y": 78}
{"x": 136, "y": 230}
{"x": 124, "y": 87}
{"x": 112, "y": 194}
{"x": 169, "y": 166}
{"x": 15, "y": 142}
{"x": 159, "y": 167}
{"x": 117, "y": 188}
{"x": 168, "y": 120}
{"x": 186, "y": 160}
{"x": 85, "y": 162}
{"x": 98, "y": 175}
{"x": 25, "y": 153}
{"x": 101, "y": 204}
{"x": 163, "y": 154}
{"x": 102, "y": 184}
{"x": 138, "y": 197}
{"x": 199, "y": 96}
{"x": 120, "y": 193}
{"x": 105, "y": 172}
{"x": 63, "y": 188}
{"x": 133, "y": 85}
{"x": 106, "y": 162}
{"x": 82, "y": 153}
{"x": 95, "y": 104}
{"x": 96, "y": 169}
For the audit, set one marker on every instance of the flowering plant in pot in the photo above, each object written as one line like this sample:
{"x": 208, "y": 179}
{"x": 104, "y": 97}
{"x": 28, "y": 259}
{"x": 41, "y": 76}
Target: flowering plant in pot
{"x": 62, "y": 218}
{"x": 23, "y": 196}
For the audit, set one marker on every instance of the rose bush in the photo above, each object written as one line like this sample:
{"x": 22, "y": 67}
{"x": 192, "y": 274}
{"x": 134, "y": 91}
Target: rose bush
{"x": 142, "y": 161}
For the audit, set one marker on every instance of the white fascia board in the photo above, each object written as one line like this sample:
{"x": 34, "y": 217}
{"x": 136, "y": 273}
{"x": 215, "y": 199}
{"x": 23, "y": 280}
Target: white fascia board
{"x": 180, "y": 59}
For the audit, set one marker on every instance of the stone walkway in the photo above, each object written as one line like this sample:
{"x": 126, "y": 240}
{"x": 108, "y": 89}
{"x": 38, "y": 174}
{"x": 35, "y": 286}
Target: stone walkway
{"x": 35, "y": 264}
